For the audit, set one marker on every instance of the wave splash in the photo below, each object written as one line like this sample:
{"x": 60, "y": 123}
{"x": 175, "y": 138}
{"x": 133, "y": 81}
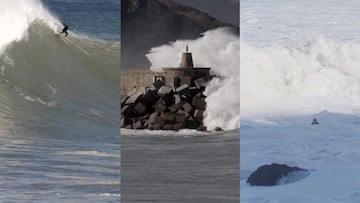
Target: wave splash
{"x": 16, "y": 16}
{"x": 279, "y": 80}
{"x": 218, "y": 49}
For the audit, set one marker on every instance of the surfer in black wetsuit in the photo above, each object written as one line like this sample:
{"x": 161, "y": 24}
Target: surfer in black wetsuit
{"x": 66, "y": 27}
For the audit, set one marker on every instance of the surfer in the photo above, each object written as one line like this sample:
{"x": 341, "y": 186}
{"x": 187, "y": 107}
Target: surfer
{"x": 66, "y": 27}
{"x": 315, "y": 122}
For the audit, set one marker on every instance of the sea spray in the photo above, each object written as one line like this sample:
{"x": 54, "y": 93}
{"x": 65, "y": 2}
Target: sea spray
{"x": 278, "y": 80}
{"x": 218, "y": 49}
{"x": 16, "y": 16}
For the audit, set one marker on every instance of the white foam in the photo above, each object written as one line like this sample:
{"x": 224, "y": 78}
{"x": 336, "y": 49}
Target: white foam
{"x": 91, "y": 153}
{"x": 281, "y": 80}
{"x": 110, "y": 195}
{"x": 17, "y": 15}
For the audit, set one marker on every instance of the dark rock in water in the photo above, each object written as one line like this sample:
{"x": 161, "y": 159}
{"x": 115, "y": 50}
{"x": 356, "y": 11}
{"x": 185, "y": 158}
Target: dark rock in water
{"x": 177, "y": 99}
{"x": 168, "y": 127}
{"x": 218, "y": 129}
{"x": 172, "y": 109}
{"x": 200, "y": 95}
{"x": 150, "y": 97}
{"x": 199, "y": 103}
{"x": 140, "y": 108}
{"x": 156, "y": 126}
{"x": 182, "y": 88}
{"x": 128, "y": 111}
{"x": 160, "y": 108}
{"x": 178, "y": 126}
{"x": 168, "y": 117}
{"x": 190, "y": 123}
{"x": 180, "y": 105}
{"x": 153, "y": 117}
{"x": 201, "y": 128}
{"x": 180, "y": 118}
{"x": 187, "y": 107}
{"x": 125, "y": 122}
{"x": 123, "y": 99}
{"x": 168, "y": 99}
{"x": 182, "y": 112}
{"x": 134, "y": 98}
{"x": 198, "y": 114}
{"x": 186, "y": 97}
{"x": 200, "y": 83}
{"x": 164, "y": 90}
{"x": 269, "y": 175}
{"x": 138, "y": 125}
{"x": 194, "y": 91}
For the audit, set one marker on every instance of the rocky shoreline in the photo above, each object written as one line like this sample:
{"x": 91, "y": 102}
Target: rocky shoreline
{"x": 161, "y": 107}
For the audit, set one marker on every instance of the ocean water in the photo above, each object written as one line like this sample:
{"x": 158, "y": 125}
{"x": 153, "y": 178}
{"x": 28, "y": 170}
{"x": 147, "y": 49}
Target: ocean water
{"x": 59, "y": 102}
{"x": 184, "y": 166}
{"x": 100, "y": 19}
{"x": 300, "y": 60}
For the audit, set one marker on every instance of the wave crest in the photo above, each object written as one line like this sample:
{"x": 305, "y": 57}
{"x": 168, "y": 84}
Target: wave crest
{"x": 321, "y": 75}
{"x": 16, "y": 16}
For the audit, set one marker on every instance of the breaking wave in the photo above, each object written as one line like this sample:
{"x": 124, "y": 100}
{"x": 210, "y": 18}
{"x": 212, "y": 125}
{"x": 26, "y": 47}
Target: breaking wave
{"x": 279, "y": 80}
{"x": 50, "y": 80}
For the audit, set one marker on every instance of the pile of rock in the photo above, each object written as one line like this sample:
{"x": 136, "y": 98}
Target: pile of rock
{"x": 161, "y": 107}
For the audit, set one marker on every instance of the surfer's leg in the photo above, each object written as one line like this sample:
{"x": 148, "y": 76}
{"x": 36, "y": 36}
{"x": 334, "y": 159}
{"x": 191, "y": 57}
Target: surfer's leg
{"x": 66, "y": 33}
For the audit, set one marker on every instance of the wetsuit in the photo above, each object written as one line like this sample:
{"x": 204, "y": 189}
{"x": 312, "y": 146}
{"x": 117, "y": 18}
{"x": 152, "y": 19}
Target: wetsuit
{"x": 66, "y": 27}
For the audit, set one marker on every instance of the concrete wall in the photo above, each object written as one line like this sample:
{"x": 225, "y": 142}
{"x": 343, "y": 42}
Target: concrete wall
{"x": 131, "y": 79}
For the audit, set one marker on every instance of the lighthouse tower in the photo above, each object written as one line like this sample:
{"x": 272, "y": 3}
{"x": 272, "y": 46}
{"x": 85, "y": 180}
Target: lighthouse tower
{"x": 186, "y": 60}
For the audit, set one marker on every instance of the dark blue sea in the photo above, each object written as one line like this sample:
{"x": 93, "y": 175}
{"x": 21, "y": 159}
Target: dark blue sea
{"x": 59, "y": 101}
{"x": 92, "y": 17}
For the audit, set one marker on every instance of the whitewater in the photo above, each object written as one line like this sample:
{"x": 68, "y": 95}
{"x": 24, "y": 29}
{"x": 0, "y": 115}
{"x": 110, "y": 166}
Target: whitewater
{"x": 299, "y": 61}
{"x": 59, "y": 106}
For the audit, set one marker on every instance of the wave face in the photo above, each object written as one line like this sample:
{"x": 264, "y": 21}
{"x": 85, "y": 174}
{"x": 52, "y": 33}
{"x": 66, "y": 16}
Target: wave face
{"x": 51, "y": 84}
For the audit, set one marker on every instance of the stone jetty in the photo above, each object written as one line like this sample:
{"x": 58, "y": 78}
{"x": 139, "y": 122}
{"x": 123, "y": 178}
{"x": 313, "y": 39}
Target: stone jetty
{"x": 169, "y": 100}
{"x": 161, "y": 107}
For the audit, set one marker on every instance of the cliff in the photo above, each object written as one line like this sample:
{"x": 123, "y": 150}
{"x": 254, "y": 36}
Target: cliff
{"x": 149, "y": 23}
{"x": 223, "y": 10}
